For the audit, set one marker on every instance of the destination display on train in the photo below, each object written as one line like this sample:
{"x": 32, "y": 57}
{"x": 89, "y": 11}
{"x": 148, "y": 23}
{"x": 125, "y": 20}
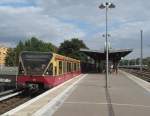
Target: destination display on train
{"x": 34, "y": 56}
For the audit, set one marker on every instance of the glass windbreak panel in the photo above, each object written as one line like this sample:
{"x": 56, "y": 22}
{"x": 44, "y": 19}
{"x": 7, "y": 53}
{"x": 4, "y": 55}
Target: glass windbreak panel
{"x": 35, "y": 63}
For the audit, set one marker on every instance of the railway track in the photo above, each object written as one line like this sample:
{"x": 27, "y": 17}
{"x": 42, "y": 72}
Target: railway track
{"x": 145, "y": 74}
{"x": 8, "y": 94}
{"x": 16, "y": 100}
{"x": 5, "y": 92}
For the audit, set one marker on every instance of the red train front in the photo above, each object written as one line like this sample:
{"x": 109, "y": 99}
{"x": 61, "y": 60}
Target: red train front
{"x": 43, "y": 70}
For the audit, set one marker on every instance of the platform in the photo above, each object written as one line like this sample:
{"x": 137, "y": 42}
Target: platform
{"x": 89, "y": 97}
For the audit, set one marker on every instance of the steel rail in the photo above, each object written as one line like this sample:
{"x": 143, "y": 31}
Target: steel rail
{"x": 6, "y": 92}
{"x": 9, "y": 96}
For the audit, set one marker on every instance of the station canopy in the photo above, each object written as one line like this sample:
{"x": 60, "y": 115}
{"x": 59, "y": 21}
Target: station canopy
{"x": 101, "y": 54}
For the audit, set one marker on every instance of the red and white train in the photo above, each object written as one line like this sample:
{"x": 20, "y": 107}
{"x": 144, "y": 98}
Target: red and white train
{"x": 43, "y": 70}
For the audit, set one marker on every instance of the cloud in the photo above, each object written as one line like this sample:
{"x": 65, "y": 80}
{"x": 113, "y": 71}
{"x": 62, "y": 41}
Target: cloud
{"x": 21, "y": 23}
{"x": 13, "y": 1}
{"x": 56, "y": 20}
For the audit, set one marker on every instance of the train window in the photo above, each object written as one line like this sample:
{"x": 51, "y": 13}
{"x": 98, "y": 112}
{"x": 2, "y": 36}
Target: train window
{"x": 68, "y": 67}
{"x": 55, "y": 70}
{"x": 64, "y": 67}
{"x": 21, "y": 71}
{"x": 78, "y": 66}
{"x": 35, "y": 63}
{"x": 60, "y": 67}
{"x": 49, "y": 70}
{"x": 75, "y": 67}
{"x": 72, "y": 67}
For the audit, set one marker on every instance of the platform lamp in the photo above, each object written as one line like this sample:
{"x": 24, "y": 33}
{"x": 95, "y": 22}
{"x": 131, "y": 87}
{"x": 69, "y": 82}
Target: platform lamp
{"x": 106, "y": 6}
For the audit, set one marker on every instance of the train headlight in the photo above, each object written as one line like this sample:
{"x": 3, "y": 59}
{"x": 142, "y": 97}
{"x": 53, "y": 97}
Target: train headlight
{"x": 33, "y": 80}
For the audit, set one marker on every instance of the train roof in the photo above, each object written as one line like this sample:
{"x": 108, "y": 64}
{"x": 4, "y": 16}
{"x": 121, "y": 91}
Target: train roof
{"x": 33, "y": 52}
{"x": 68, "y": 58}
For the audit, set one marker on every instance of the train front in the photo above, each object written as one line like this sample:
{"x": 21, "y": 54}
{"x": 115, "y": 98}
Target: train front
{"x": 32, "y": 68}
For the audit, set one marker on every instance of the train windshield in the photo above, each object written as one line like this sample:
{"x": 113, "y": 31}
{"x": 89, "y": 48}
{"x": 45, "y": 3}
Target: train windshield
{"x": 35, "y": 63}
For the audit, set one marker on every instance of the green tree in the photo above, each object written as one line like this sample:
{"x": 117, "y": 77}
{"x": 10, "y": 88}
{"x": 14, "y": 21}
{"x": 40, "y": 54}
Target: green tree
{"x": 10, "y": 58}
{"x": 72, "y": 48}
{"x": 32, "y": 44}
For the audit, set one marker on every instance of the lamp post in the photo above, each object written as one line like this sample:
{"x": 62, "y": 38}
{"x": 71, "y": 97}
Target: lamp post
{"x": 141, "y": 58}
{"x": 106, "y": 6}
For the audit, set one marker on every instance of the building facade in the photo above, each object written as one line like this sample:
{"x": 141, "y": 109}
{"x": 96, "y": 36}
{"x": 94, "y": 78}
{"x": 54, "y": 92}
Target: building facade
{"x": 3, "y": 53}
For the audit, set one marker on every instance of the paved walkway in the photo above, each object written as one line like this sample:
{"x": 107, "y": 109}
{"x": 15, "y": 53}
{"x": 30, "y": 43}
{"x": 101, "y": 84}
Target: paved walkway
{"x": 90, "y": 98}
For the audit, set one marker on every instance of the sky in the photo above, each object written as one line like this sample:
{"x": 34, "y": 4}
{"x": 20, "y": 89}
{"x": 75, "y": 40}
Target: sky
{"x": 58, "y": 20}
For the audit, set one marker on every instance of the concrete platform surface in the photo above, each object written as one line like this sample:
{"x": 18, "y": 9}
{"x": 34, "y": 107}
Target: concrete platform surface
{"x": 37, "y": 103}
{"x": 90, "y": 98}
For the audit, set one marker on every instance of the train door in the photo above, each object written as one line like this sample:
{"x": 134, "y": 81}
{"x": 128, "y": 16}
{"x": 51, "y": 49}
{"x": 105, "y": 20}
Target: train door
{"x": 64, "y": 67}
{"x": 60, "y": 67}
{"x": 21, "y": 70}
{"x": 55, "y": 67}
